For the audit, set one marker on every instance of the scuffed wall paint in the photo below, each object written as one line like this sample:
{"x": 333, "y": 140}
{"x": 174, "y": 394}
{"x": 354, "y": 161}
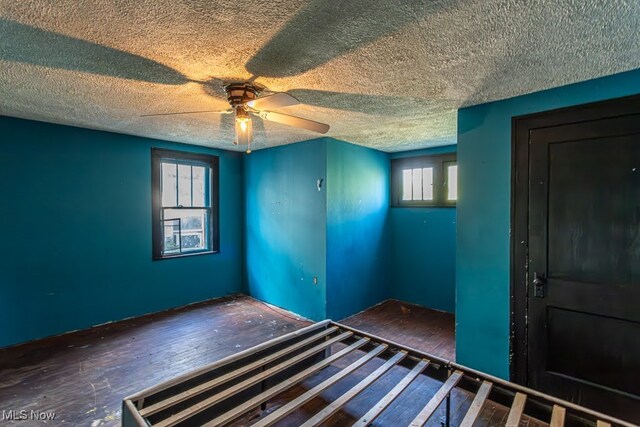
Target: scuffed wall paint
{"x": 285, "y": 226}
{"x": 76, "y": 231}
{"x": 484, "y": 204}
{"x": 337, "y": 233}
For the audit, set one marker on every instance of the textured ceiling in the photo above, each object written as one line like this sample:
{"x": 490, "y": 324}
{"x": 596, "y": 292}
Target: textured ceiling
{"x": 385, "y": 74}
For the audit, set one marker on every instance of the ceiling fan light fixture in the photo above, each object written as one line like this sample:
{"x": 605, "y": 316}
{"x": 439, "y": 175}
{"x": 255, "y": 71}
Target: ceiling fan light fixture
{"x": 244, "y": 127}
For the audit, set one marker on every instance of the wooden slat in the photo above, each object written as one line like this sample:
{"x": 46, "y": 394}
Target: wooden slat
{"x": 557, "y": 416}
{"x": 181, "y": 397}
{"x": 383, "y": 403}
{"x": 437, "y": 398}
{"x": 602, "y": 424}
{"x": 243, "y": 385}
{"x": 477, "y": 404}
{"x": 310, "y": 394}
{"x": 226, "y": 360}
{"x": 335, "y": 406}
{"x": 517, "y": 407}
{"x": 279, "y": 388}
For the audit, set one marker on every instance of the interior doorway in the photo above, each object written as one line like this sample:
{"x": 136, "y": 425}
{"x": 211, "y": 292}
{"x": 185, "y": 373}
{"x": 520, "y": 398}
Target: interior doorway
{"x": 576, "y": 254}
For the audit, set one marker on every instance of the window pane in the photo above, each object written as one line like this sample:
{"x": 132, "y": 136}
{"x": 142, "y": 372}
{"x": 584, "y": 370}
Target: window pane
{"x": 199, "y": 186}
{"x": 191, "y": 230}
{"x": 427, "y": 183}
{"x": 169, "y": 184}
{"x": 184, "y": 185}
{"x": 417, "y": 184}
{"x": 452, "y": 182}
{"x": 171, "y": 237}
{"x": 406, "y": 184}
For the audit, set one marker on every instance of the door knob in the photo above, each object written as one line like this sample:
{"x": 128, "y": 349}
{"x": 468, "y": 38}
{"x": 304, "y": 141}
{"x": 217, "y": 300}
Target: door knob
{"x": 539, "y": 285}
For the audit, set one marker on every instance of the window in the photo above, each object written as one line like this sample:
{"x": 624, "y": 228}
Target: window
{"x": 424, "y": 181}
{"x": 185, "y": 204}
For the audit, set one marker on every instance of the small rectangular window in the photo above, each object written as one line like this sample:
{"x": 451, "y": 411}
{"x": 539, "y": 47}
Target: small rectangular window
{"x": 184, "y": 204}
{"x": 417, "y": 184}
{"x": 424, "y": 181}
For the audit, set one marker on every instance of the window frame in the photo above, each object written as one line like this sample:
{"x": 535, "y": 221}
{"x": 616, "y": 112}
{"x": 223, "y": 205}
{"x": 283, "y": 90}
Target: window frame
{"x": 439, "y": 163}
{"x": 212, "y": 231}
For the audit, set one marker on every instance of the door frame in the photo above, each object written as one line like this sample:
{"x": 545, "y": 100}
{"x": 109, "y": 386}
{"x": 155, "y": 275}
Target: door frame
{"x": 520, "y": 129}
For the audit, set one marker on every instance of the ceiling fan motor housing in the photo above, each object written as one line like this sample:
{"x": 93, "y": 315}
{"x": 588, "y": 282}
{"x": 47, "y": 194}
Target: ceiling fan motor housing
{"x": 239, "y": 94}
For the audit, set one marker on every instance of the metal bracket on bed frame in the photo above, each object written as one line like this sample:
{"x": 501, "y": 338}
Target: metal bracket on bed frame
{"x": 224, "y": 391}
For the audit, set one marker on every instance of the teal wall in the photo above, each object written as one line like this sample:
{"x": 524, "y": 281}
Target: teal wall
{"x": 423, "y": 255}
{"x": 483, "y": 246}
{"x": 358, "y": 242}
{"x": 338, "y": 234}
{"x": 76, "y": 231}
{"x": 286, "y": 227}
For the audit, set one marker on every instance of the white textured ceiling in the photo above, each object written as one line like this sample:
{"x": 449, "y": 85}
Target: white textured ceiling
{"x": 385, "y": 74}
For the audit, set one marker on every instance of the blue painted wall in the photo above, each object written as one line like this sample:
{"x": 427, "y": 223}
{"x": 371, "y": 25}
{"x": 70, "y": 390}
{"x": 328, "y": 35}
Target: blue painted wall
{"x": 75, "y": 213}
{"x": 424, "y": 249}
{"x": 286, "y": 227}
{"x": 338, "y": 234}
{"x": 484, "y": 203}
{"x": 358, "y": 242}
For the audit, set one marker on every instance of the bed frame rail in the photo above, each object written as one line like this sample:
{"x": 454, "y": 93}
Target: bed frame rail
{"x": 224, "y": 391}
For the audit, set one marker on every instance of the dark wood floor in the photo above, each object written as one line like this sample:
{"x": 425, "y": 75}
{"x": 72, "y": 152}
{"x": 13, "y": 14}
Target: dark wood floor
{"x": 83, "y": 376}
{"x": 426, "y": 330}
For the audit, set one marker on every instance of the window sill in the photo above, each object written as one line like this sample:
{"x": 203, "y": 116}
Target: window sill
{"x": 185, "y": 255}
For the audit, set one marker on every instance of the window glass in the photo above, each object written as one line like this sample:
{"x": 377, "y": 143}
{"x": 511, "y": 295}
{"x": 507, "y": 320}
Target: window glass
{"x": 169, "y": 184}
{"x": 187, "y": 229}
{"x": 406, "y": 184}
{"x": 171, "y": 236}
{"x": 199, "y": 186}
{"x": 416, "y": 183}
{"x": 184, "y": 185}
{"x": 427, "y": 184}
{"x": 452, "y": 182}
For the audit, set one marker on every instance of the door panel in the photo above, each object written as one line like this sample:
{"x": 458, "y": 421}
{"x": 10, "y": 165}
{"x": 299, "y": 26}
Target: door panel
{"x": 590, "y": 188}
{"x": 598, "y": 339}
{"x": 583, "y": 334}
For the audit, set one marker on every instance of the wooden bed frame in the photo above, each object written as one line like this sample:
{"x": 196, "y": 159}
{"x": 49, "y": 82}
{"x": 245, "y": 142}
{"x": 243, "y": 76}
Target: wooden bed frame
{"x": 224, "y": 391}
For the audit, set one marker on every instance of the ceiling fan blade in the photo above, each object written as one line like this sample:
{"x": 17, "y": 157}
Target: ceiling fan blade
{"x": 277, "y": 100}
{"x": 189, "y": 112}
{"x": 297, "y": 122}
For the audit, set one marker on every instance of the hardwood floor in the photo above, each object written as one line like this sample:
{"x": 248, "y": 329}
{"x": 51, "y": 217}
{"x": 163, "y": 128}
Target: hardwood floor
{"x": 426, "y": 330}
{"x": 83, "y": 376}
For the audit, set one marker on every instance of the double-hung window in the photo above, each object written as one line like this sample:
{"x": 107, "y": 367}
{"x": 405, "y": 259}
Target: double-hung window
{"x": 185, "y": 203}
{"x": 424, "y": 181}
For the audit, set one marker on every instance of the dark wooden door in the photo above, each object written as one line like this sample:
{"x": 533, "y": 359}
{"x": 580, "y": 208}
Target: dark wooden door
{"x": 583, "y": 333}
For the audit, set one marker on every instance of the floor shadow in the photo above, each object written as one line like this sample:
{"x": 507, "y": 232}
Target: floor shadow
{"x": 30, "y": 45}
{"x": 323, "y": 30}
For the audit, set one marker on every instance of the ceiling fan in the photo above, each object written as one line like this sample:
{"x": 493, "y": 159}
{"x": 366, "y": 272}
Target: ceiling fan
{"x": 245, "y": 100}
